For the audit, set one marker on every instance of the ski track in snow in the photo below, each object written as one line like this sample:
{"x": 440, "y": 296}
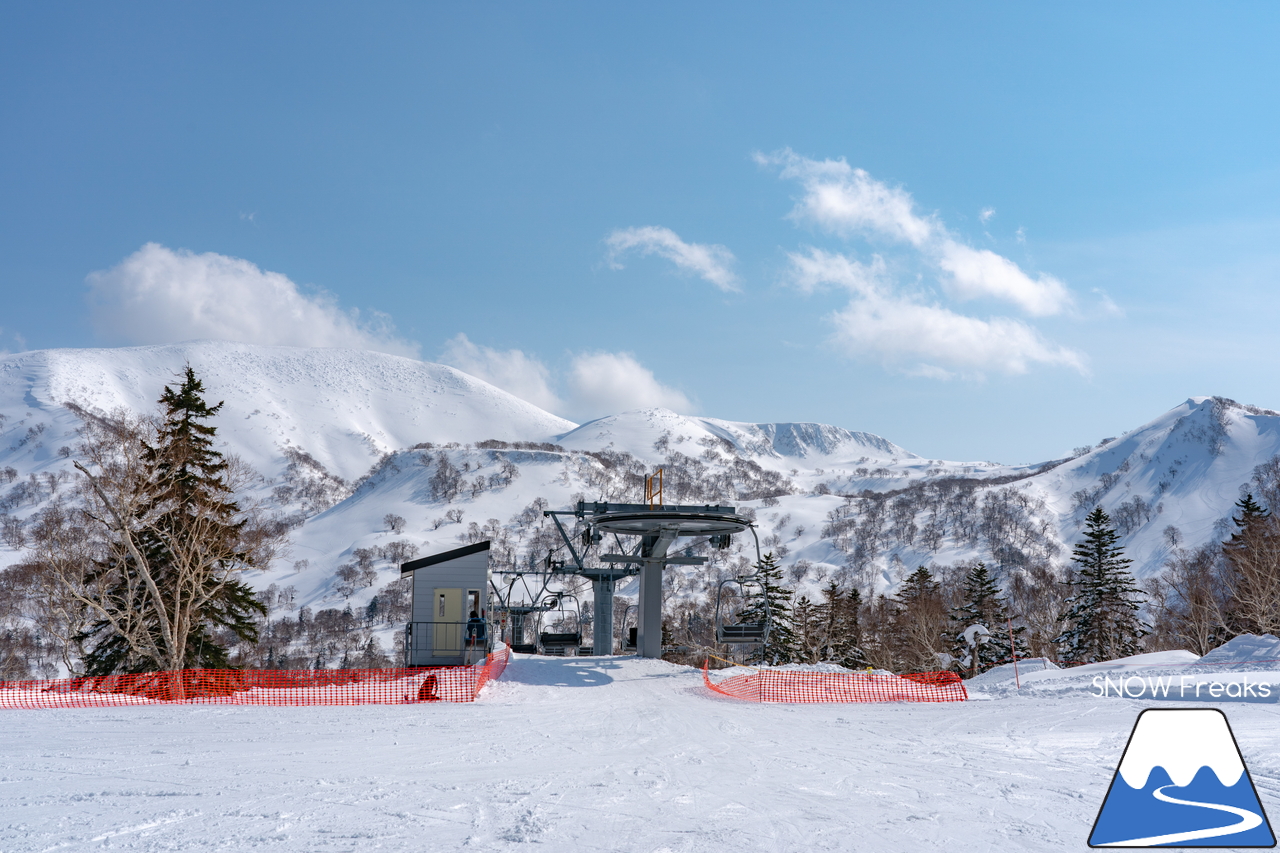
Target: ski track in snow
{"x": 587, "y": 754}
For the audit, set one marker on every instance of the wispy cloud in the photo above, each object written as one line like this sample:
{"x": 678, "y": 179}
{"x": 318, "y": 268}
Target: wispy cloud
{"x": 893, "y": 314}
{"x": 976, "y": 273}
{"x": 1106, "y": 305}
{"x": 711, "y": 262}
{"x": 158, "y": 295}
{"x": 842, "y": 200}
{"x": 904, "y": 331}
{"x": 595, "y": 384}
{"x": 511, "y": 370}
{"x": 922, "y": 338}
{"x": 607, "y": 382}
{"x": 846, "y": 201}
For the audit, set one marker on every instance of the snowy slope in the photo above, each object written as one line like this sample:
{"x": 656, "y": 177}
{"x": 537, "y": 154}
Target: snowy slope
{"x": 828, "y": 500}
{"x": 1184, "y": 469}
{"x": 345, "y": 407}
{"x": 583, "y": 754}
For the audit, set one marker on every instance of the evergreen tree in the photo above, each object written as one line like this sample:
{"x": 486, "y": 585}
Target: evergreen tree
{"x": 1102, "y": 619}
{"x": 809, "y": 623}
{"x": 171, "y": 576}
{"x": 774, "y": 604}
{"x": 841, "y": 626}
{"x": 1250, "y": 511}
{"x": 982, "y": 604}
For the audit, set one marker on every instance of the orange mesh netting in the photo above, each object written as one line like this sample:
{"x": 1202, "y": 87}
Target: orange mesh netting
{"x": 261, "y": 686}
{"x": 801, "y": 686}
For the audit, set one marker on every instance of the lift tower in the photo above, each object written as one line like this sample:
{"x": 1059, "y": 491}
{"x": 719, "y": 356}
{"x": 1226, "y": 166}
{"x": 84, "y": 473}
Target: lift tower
{"x": 658, "y": 527}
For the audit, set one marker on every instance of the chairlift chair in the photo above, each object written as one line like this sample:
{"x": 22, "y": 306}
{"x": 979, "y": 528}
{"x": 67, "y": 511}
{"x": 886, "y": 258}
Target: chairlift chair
{"x": 628, "y": 641}
{"x": 561, "y": 643}
{"x": 741, "y": 633}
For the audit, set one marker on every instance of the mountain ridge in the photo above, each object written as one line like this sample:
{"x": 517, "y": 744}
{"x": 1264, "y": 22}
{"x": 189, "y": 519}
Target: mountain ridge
{"x": 318, "y": 423}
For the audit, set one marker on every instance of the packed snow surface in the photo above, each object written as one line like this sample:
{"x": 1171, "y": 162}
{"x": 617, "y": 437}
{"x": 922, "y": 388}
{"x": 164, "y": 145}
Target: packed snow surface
{"x": 581, "y": 754}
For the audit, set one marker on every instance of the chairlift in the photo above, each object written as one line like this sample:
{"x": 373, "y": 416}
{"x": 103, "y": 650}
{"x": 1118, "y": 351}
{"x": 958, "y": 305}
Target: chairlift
{"x": 561, "y": 643}
{"x": 627, "y": 640}
{"x": 742, "y": 633}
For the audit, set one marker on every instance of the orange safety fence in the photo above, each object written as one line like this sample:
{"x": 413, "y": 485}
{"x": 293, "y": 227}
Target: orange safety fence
{"x": 260, "y": 686}
{"x": 789, "y": 685}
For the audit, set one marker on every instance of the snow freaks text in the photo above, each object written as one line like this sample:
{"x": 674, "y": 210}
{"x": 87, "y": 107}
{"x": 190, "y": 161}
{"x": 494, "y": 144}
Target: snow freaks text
{"x": 1178, "y": 687}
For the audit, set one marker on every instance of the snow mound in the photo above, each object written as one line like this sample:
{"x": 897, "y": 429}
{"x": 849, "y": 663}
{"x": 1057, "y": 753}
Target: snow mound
{"x": 794, "y": 667}
{"x": 1005, "y": 672}
{"x": 1246, "y": 648}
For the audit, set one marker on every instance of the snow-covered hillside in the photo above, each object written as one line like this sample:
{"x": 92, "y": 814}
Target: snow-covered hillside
{"x": 344, "y": 407}
{"x": 346, "y": 438}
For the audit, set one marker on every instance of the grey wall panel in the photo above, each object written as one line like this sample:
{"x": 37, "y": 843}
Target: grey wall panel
{"x": 465, "y": 573}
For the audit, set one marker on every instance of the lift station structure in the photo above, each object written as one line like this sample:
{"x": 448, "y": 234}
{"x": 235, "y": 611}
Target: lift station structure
{"x": 658, "y": 527}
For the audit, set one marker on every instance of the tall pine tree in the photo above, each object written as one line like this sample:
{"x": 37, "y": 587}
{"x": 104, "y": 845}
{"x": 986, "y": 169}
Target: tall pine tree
{"x": 982, "y": 604}
{"x": 171, "y": 577}
{"x": 1102, "y": 620}
{"x": 774, "y": 603}
{"x": 841, "y": 626}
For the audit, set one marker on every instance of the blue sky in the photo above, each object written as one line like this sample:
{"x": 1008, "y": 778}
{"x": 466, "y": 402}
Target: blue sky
{"x": 984, "y": 231}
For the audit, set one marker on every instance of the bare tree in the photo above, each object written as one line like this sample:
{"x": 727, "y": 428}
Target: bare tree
{"x": 1189, "y": 601}
{"x": 1038, "y": 599}
{"x": 151, "y": 547}
{"x": 1254, "y": 559}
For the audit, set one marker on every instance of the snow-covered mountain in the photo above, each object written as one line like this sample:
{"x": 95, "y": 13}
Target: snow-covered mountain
{"x": 344, "y": 407}
{"x": 641, "y": 433}
{"x": 345, "y": 438}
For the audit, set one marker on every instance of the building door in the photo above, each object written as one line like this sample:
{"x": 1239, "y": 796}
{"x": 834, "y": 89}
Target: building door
{"x": 449, "y": 627}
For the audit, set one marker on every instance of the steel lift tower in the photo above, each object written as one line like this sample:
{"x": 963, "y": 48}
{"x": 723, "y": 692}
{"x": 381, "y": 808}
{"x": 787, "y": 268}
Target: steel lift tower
{"x": 658, "y": 527}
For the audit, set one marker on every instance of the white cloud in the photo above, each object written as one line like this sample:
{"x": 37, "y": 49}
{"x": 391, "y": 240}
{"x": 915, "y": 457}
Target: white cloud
{"x": 847, "y": 201}
{"x": 513, "y": 371}
{"x": 902, "y": 332}
{"x": 711, "y": 262}
{"x": 157, "y": 295}
{"x": 812, "y": 271}
{"x": 608, "y": 382}
{"x": 844, "y": 200}
{"x": 980, "y": 272}
{"x": 598, "y": 383}
{"x": 922, "y": 339}
{"x": 985, "y": 214}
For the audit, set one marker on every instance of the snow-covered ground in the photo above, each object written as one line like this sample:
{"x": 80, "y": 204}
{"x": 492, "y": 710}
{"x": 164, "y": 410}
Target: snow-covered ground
{"x": 580, "y": 755}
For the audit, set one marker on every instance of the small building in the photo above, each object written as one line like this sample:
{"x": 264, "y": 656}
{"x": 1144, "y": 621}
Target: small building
{"x": 447, "y": 589}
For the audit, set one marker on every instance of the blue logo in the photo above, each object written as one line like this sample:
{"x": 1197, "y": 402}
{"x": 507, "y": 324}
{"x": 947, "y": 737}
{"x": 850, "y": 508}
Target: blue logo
{"x": 1182, "y": 783}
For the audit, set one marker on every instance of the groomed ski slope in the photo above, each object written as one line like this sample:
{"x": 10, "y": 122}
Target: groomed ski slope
{"x": 581, "y": 755}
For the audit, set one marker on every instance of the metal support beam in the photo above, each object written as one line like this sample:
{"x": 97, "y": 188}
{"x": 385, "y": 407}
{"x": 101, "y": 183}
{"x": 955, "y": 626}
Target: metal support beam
{"x": 671, "y": 561}
{"x": 602, "y": 617}
{"x": 604, "y": 581}
{"x": 649, "y": 615}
